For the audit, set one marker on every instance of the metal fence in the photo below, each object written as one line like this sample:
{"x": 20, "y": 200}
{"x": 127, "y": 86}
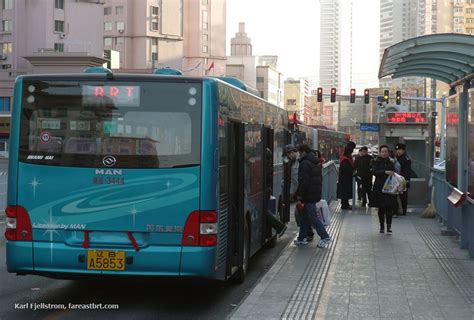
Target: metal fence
{"x": 450, "y": 216}
{"x": 458, "y": 219}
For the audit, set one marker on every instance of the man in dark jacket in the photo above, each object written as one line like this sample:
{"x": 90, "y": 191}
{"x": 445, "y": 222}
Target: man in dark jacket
{"x": 308, "y": 193}
{"x": 362, "y": 166}
{"x": 405, "y": 171}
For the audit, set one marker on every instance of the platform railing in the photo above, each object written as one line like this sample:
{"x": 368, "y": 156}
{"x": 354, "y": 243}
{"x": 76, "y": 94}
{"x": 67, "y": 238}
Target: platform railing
{"x": 459, "y": 219}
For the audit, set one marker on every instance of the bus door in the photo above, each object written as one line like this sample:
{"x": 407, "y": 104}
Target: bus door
{"x": 267, "y": 144}
{"x": 236, "y": 218}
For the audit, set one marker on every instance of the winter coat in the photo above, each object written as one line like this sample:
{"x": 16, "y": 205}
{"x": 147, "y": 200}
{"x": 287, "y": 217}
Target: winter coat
{"x": 344, "y": 181}
{"x": 309, "y": 179}
{"x": 405, "y": 166}
{"x": 362, "y": 165}
{"x": 380, "y": 199}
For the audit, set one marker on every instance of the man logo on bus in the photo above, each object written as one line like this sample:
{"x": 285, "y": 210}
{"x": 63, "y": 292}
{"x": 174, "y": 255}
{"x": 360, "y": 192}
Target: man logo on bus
{"x": 109, "y": 161}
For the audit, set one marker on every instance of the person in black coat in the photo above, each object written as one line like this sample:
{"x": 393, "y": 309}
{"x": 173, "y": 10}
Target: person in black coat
{"x": 382, "y": 168}
{"x": 344, "y": 182}
{"x": 308, "y": 193}
{"x": 362, "y": 166}
{"x": 405, "y": 171}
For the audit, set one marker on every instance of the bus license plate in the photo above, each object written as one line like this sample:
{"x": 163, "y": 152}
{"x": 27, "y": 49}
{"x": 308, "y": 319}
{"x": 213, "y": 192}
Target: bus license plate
{"x": 105, "y": 260}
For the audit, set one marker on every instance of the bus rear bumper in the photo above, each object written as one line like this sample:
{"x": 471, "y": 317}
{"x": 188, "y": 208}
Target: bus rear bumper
{"x": 62, "y": 261}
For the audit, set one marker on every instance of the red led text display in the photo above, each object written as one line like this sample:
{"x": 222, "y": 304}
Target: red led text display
{"x": 407, "y": 117}
{"x": 452, "y": 118}
{"x": 126, "y": 96}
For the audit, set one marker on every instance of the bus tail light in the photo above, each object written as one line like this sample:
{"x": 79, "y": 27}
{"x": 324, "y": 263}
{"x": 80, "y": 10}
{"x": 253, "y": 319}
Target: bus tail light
{"x": 18, "y": 224}
{"x": 200, "y": 229}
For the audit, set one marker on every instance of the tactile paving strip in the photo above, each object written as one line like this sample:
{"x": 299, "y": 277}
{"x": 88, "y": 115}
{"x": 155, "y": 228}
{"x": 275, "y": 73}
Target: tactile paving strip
{"x": 463, "y": 281}
{"x": 305, "y": 299}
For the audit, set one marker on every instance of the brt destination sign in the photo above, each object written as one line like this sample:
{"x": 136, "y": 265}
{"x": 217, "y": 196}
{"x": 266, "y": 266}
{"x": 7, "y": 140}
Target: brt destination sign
{"x": 371, "y": 127}
{"x": 407, "y": 117}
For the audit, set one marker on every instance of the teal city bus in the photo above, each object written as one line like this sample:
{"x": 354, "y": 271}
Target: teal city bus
{"x": 141, "y": 175}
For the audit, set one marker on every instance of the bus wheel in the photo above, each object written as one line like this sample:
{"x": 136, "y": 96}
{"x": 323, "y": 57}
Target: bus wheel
{"x": 242, "y": 272}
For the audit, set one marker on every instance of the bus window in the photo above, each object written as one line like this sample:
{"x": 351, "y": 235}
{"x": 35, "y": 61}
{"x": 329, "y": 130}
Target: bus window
{"x": 158, "y": 121}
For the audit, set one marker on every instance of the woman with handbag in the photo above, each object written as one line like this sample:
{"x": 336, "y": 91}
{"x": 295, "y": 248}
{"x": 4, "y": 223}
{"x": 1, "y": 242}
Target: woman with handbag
{"x": 382, "y": 168}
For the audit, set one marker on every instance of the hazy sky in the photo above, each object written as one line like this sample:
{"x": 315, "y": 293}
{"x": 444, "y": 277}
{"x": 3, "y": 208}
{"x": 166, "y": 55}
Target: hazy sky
{"x": 290, "y": 29}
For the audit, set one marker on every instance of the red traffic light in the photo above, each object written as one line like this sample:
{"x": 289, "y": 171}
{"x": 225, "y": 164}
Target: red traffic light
{"x": 366, "y": 96}
{"x": 320, "y": 94}
{"x": 353, "y": 96}
{"x": 333, "y": 94}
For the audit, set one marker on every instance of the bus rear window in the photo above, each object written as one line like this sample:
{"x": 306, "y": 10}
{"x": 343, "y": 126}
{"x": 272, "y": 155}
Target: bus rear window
{"x": 139, "y": 124}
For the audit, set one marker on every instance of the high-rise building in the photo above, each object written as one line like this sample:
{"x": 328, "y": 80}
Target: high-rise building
{"x": 330, "y": 55}
{"x": 48, "y": 36}
{"x": 401, "y": 20}
{"x": 445, "y": 16}
{"x": 204, "y": 37}
{"x": 242, "y": 63}
{"x": 147, "y": 33}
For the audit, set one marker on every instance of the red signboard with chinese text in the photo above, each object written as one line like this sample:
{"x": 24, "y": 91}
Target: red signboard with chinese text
{"x": 407, "y": 117}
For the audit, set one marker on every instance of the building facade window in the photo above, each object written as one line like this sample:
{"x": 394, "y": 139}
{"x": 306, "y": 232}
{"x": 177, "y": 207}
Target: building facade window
{"x": 155, "y": 11}
{"x": 7, "y": 48}
{"x": 291, "y": 102}
{"x": 120, "y": 26}
{"x": 4, "y": 103}
{"x": 107, "y": 42}
{"x": 205, "y": 37}
{"x": 7, "y": 25}
{"x": 59, "y": 47}
{"x": 59, "y": 4}
{"x": 107, "y": 11}
{"x": 154, "y": 41}
{"x": 204, "y": 25}
{"x": 7, "y": 4}
{"x": 154, "y": 26}
{"x": 119, "y": 10}
{"x": 108, "y": 26}
{"x": 119, "y": 41}
{"x": 6, "y": 66}
{"x": 205, "y": 49}
{"x": 205, "y": 2}
{"x": 205, "y": 17}
{"x": 154, "y": 56}
{"x": 260, "y": 79}
{"x": 58, "y": 26}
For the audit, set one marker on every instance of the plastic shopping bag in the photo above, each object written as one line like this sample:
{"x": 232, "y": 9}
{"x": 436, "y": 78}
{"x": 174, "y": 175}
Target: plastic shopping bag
{"x": 324, "y": 214}
{"x": 402, "y": 183}
{"x": 395, "y": 184}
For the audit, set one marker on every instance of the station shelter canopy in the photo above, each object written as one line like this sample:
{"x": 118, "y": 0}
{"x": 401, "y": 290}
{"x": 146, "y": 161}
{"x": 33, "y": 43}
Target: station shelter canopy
{"x": 447, "y": 57}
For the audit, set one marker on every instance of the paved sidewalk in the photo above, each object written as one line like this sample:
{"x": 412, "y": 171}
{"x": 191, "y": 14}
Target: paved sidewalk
{"x": 415, "y": 273}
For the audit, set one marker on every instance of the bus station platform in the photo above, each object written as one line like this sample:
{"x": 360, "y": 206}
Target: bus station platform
{"x": 418, "y": 272}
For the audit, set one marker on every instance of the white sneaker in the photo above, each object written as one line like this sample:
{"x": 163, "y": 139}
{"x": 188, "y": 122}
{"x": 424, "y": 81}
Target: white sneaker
{"x": 300, "y": 242}
{"x": 324, "y": 243}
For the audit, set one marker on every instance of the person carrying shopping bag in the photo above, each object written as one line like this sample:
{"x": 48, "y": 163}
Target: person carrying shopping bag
{"x": 382, "y": 168}
{"x": 308, "y": 193}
